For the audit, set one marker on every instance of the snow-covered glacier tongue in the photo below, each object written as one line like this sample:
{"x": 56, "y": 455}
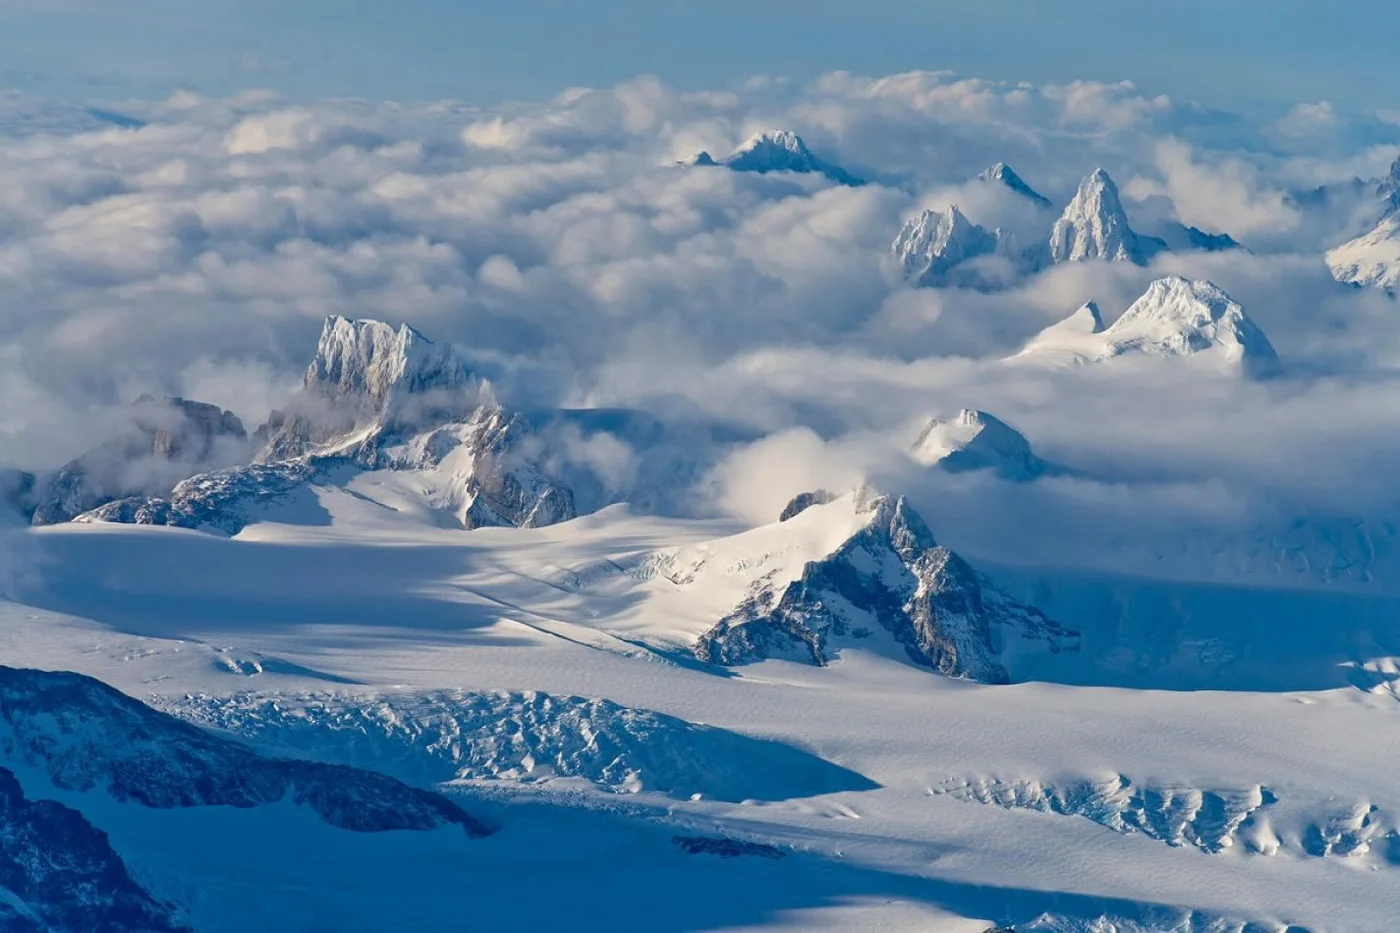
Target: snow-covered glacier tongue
{"x": 375, "y": 398}
{"x": 879, "y": 580}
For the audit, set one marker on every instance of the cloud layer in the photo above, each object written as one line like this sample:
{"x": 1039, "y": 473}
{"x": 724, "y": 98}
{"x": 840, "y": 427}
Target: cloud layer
{"x": 192, "y": 247}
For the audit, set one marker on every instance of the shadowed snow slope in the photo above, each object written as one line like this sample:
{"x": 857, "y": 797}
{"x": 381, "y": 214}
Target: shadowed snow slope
{"x": 82, "y": 735}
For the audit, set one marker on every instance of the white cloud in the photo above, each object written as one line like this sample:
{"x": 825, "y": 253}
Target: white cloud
{"x": 560, "y": 245}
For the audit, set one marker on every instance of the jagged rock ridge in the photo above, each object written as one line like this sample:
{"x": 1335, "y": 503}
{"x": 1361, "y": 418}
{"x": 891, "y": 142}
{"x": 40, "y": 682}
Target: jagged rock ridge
{"x": 1003, "y": 174}
{"x": 930, "y": 247}
{"x": 976, "y": 440}
{"x": 1095, "y": 226}
{"x": 892, "y": 575}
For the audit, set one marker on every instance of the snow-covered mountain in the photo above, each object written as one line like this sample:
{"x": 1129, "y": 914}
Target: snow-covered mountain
{"x": 1003, "y": 174}
{"x": 975, "y": 440}
{"x": 1094, "y": 225}
{"x": 376, "y": 398}
{"x": 864, "y": 569}
{"x": 929, "y": 247}
{"x": 157, "y": 443}
{"x": 1175, "y": 317}
{"x": 69, "y": 736}
{"x": 777, "y": 151}
{"x": 1371, "y": 260}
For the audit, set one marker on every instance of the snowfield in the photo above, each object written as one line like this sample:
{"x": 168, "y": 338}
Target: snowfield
{"x": 537, "y": 676}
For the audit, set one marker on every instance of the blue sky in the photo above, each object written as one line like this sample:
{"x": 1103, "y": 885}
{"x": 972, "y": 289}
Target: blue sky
{"x": 1238, "y": 54}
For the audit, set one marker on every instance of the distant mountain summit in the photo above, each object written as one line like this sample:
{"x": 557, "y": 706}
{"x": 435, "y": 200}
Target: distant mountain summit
{"x": 976, "y": 440}
{"x": 930, "y": 246}
{"x": 1095, "y": 226}
{"x": 1002, "y": 174}
{"x": 1175, "y": 317}
{"x": 777, "y": 151}
{"x": 376, "y": 398}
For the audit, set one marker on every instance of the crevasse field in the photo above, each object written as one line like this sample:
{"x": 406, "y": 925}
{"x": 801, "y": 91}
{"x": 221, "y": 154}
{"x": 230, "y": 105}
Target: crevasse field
{"x": 670, "y": 511}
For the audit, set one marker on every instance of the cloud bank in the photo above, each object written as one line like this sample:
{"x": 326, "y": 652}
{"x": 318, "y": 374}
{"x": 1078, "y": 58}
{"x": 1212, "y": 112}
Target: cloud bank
{"x": 192, "y": 247}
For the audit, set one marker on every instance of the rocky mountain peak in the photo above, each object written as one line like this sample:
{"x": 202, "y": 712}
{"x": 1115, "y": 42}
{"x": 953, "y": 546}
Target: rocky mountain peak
{"x": 1002, "y": 173}
{"x": 1095, "y": 226}
{"x": 888, "y": 586}
{"x": 929, "y": 246}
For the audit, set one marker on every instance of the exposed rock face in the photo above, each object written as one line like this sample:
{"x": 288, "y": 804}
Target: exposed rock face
{"x": 1002, "y": 174}
{"x": 804, "y": 501}
{"x": 59, "y": 873}
{"x": 376, "y": 398}
{"x": 891, "y": 574}
{"x": 165, "y": 441}
{"x": 975, "y": 440}
{"x": 778, "y": 151}
{"x": 1095, "y": 226}
{"x": 930, "y": 247}
{"x": 1389, "y": 188}
{"x": 84, "y": 735}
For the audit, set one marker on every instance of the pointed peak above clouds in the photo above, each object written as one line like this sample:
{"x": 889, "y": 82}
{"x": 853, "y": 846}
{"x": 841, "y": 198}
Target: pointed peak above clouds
{"x": 375, "y": 360}
{"x": 930, "y": 245}
{"x": 1175, "y": 317}
{"x": 1095, "y": 226}
{"x": 777, "y": 151}
{"x": 1003, "y": 174}
{"x": 976, "y": 440}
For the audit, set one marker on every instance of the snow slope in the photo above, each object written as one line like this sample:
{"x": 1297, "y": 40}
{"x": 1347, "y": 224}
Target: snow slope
{"x": 1370, "y": 260}
{"x": 542, "y": 673}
